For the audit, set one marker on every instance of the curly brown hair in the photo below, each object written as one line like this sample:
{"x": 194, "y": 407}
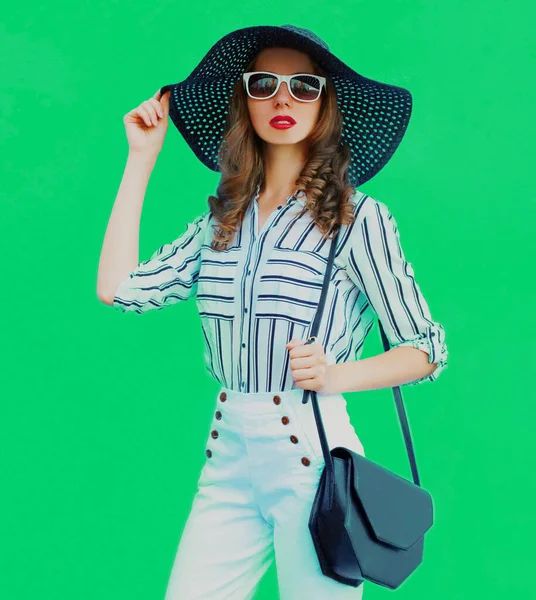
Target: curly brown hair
{"x": 323, "y": 179}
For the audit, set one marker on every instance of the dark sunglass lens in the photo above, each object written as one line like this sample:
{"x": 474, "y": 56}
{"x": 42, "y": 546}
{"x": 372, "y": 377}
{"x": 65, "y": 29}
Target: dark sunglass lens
{"x": 262, "y": 85}
{"x": 305, "y": 87}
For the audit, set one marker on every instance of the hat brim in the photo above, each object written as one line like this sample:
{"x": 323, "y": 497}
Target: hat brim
{"x": 375, "y": 114}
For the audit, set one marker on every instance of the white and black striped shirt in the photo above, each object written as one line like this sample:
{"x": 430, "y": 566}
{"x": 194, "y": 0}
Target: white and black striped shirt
{"x": 263, "y": 290}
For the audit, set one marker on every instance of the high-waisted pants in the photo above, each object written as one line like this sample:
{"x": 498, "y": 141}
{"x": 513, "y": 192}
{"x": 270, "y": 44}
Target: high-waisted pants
{"x": 255, "y": 491}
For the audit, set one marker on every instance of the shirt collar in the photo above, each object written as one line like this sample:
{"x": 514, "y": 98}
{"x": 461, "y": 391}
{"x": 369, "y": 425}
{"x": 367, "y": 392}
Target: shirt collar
{"x": 298, "y": 196}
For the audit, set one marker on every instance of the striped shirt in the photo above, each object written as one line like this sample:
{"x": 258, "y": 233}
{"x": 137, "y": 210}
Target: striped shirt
{"x": 264, "y": 289}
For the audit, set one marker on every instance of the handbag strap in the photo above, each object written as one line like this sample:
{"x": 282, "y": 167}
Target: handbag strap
{"x": 402, "y": 416}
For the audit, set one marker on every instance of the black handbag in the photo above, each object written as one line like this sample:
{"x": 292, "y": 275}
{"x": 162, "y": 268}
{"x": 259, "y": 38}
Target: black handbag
{"x": 366, "y": 522}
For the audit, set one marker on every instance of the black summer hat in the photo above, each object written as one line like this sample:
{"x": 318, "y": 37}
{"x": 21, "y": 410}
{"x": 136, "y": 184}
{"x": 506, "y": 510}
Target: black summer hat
{"x": 375, "y": 114}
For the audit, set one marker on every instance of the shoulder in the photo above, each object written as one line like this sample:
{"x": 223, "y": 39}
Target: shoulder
{"x": 204, "y": 218}
{"x": 369, "y": 214}
{"x": 366, "y": 206}
{"x": 202, "y": 225}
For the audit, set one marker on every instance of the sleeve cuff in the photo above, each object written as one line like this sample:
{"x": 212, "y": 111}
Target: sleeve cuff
{"x": 124, "y": 296}
{"x": 432, "y": 342}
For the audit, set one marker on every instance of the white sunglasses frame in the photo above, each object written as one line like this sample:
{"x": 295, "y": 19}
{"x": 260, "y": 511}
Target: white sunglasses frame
{"x": 280, "y": 79}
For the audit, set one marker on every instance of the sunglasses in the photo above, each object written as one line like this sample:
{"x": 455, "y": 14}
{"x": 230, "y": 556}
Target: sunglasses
{"x": 304, "y": 87}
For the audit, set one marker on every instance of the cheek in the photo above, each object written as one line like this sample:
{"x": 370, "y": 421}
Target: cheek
{"x": 307, "y": 120}
{"x": 256, "y": 113}
{"x": 315, "y": 112}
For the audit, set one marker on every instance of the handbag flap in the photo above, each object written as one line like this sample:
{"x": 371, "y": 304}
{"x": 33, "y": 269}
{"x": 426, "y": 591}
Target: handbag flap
{"x": 398, "y": 511}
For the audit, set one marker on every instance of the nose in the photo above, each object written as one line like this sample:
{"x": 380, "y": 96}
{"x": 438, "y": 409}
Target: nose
{"x": 283, "y": 94}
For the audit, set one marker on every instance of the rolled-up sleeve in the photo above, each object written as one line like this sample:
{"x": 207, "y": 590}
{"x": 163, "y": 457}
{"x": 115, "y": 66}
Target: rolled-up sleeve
{"x": 169, "y": 276}
{"x": 377, "y": 265}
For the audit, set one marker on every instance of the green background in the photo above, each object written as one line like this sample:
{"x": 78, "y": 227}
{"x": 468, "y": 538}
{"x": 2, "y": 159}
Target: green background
{"x": 104, "y": 415}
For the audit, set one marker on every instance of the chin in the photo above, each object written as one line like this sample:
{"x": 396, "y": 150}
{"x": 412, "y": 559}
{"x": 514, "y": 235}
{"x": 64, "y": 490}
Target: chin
{"x": 282, "y": 137}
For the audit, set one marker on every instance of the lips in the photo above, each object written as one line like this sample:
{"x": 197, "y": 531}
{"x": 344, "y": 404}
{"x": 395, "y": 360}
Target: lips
{"x": 283, "y": 119}
{"x": 282, "y": 122}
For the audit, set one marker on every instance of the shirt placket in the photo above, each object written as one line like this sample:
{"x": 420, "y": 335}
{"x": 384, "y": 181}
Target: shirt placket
{"x": 247, "y": 308}
{"x": 247, "y": 293}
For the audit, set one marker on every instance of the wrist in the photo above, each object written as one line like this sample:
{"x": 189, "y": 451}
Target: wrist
{"x": 330, "y": 386}
{"x": 146, "y": 158}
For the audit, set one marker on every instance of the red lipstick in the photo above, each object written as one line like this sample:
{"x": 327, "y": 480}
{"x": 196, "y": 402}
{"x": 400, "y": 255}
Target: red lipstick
{"x": 282, "y": 122}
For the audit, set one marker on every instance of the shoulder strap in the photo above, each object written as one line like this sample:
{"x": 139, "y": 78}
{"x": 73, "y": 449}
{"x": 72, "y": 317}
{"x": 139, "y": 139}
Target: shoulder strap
{"x": 396, "y": 390}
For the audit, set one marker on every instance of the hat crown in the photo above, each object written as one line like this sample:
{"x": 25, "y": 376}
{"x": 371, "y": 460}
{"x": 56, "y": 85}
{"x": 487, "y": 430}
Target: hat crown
{"x": 306, "y": 33}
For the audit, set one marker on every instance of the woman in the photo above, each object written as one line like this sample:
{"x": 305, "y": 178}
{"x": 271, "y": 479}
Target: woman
{"x": 255, "y": 262}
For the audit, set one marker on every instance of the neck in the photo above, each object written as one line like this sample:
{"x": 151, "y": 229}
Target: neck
{"x": 283, "y": 164}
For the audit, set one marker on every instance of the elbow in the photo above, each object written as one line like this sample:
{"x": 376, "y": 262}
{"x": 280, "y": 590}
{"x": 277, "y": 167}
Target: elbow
{"x": 432, "y": 371}
{"x": 435, "y": 359}
{"x": 104, "y": 297}
{"x": 429, "y": 368}
{"x": 107, "y": 293}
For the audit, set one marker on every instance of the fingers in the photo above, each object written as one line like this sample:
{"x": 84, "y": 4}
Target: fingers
{"x": 151, "y": 109}
{"x": 157, "y": 95}
{"x": 163, "y": 99}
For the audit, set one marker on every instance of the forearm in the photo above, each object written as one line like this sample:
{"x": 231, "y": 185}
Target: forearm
{"x": 395, "y": 367}
{"x": 119, "y": 254}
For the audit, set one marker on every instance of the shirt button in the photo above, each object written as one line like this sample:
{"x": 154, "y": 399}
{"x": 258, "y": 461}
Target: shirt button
{"x": 305, "y": 461}
{"x": 284, "y": 420}
{"x": 249, "y": 272}
{"x": 243, "y": 345}
{"x": 279, "y": 207}
{"x": 214, "y": 433}
{"x": 209, "y": 452}
{"x": 218, "y": 415}
{"x": 223, "y": 396}
{"x": 277, "y": 400}
{"x": 245, "y": 310}
{"x": 293, "y": 439}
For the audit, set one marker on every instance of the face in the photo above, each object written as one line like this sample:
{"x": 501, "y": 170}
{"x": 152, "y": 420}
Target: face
{"x": 283, "y": 61}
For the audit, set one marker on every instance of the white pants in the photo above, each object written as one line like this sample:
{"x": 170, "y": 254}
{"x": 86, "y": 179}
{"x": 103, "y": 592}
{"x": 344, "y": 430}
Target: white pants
{"x": 254, "y": 498}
